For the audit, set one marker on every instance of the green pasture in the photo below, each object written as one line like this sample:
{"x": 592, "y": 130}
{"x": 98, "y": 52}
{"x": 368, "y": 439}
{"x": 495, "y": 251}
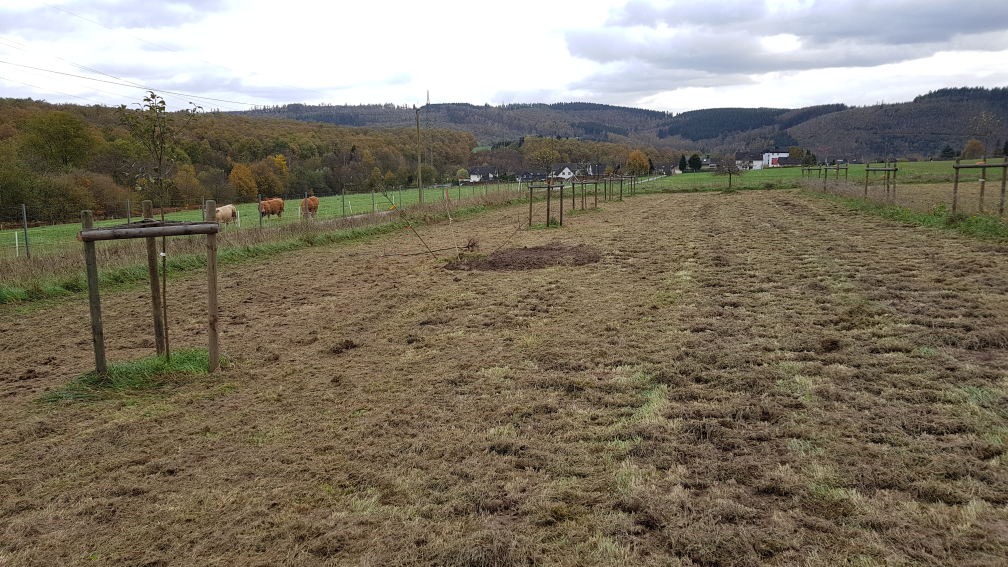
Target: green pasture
{"x": 48, "y": 239}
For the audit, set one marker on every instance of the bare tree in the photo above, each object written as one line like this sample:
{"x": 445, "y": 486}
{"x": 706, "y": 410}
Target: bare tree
{"x": 728, "y": 166}
{"x": 984, "y": 127}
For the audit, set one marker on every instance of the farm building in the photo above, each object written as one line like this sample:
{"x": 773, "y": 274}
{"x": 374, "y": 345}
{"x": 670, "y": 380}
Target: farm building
{"x": 749, "y": 160}
{"x": 771, "y": 158}
{"x": 528, "y": 176}
{"x": 479, "y": 174}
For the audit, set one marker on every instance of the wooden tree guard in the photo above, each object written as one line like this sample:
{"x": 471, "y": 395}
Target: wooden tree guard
{"x": 886, "y": 169}
{"x": 983, "y": 167}
{"x": 148, "y": 229}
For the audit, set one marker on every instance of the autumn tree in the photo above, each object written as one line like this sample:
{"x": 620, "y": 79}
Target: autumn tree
{"x": 462, "y": 174}
{"x": 974, "y": 149}
{"x": 58, "y": 141}
{"x": 637, "y": 163}
{"x": 242, "y": 180}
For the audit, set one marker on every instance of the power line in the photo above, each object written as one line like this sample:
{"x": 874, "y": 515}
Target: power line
{"x": 49, "y": 90}
{"x": 170, "y": 49}
{"x": 128, "y": 83}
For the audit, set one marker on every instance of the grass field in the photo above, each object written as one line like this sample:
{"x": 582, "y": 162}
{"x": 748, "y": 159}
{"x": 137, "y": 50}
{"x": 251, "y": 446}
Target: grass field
{"x": 761, "y": 377}
{"x": 56, "y": 238}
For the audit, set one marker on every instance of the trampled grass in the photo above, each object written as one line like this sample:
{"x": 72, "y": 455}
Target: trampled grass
{"x": 761, "y": 377}
{"x": 124, "y": 262}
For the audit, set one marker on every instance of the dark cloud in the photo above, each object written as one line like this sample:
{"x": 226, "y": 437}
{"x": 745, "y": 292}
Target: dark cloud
{"x": 692, "y": 43}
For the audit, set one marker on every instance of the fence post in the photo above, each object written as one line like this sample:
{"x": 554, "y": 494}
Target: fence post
{"x": 259, "y": 196}
{"x": 983, "y": 182}
{"x": 530, "y": 204}
{"x": 24, "y": 217}
{"x": 955, "y": 187}
{"x": 561, "y": 203}
{"x": 203, "y": 207}
{"x": 213, "y": 349}
{"x": 129, "y": 212}
{"x": 148, "y": 213}
{"x": 373, "y": 206}
{"x": 1004, "y": 172}
{"x": 866, "y": 181}
{"x": 94, "y": 299}
{"x": 17, "y": 246}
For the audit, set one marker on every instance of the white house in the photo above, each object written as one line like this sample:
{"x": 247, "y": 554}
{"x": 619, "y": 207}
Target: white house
{"x": 479, "y": 174}
{"x": 749, "y": 160}
{"x": 770, "y": 157}
{"x": 564, "y": 170}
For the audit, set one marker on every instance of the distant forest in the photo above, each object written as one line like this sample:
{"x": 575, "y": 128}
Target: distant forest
{"x": 920, "y": 128}
{"x": 83, "y": 158}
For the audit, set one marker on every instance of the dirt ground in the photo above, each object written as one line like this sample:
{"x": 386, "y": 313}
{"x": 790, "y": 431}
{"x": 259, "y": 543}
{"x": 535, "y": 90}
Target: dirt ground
{"x": 753, "y": 378}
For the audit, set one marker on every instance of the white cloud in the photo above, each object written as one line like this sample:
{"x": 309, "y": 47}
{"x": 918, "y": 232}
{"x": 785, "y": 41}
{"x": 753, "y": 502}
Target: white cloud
{"x": 668, "y": 55}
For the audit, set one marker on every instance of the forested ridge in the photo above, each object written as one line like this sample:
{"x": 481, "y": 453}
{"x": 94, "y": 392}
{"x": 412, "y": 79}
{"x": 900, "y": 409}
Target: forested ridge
{"x": 920, "y": 128}
{"x": 82, "y": 157}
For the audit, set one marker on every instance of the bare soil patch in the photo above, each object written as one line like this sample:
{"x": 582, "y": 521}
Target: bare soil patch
{"x": 744, "y": 379}
{"x": 527, "y": 258}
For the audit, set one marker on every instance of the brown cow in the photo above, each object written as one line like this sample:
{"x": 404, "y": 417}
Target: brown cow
{"x": 227, "y": 214}
{"x": 270, "y": 207}
{"x": 312, "y": 207}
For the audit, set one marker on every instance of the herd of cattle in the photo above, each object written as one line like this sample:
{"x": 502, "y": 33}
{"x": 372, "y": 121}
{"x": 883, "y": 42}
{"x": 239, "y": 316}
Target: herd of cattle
{"x": 269, "y": 207}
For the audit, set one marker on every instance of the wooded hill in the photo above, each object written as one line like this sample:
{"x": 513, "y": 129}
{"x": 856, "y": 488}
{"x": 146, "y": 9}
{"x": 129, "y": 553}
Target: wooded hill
{"x": 920, "y": 128}
{"x": 67, "y": 157}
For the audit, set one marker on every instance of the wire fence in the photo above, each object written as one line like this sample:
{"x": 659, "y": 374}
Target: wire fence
{"x": 50, "y": 228}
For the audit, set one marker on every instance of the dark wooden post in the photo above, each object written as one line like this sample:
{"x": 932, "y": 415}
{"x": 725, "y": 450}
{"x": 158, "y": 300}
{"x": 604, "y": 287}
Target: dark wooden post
{"x": 596, "y": 194}
{"x": 895, "y": 169}
{"x": 94, "y": 299}
{"x": 213, "y": 349}
{"x": 549, "y": 191}
{"x": 620, "y": 188}
{"x": 866, "y": 181}
{"x": 955, "y": 187}
{"x": 561, "y": 203}
{"x": 1004, "y": 172}
{"x": 152, "y": 269}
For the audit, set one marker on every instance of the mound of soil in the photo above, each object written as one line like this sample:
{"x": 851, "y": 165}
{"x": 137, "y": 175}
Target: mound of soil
{"x": 530, "y": 258}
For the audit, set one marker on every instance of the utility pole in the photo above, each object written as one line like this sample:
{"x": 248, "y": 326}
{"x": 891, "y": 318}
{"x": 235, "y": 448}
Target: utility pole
{"x": 419, "y": 153}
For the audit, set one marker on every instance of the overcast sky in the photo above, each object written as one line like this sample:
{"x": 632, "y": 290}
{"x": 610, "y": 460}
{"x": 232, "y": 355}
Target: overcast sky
{"x": 671, "y": 55}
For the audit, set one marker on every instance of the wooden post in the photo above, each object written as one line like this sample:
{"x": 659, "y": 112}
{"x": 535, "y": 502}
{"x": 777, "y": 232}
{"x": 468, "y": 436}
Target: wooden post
{"x": 983, "y": 182}
{"x": 260, "y": 210}
{"x": 94, "y": 299}
{"x": 620, "y": 188}
{"x": 866, "y": 181}
{"x": 129, "y": 214}
{"x": 152, "y": 269}
{"x": 1004, "y": 172}
{"x": 561, "y": 201}
{"x": 530, "y": 204}
{"x": 549, "y": 191}
{"x": 596, "y": 194}
{"x": 955, "y": 189}
{"x": 213, "y": 349}
{"x": 895, "y": 169}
